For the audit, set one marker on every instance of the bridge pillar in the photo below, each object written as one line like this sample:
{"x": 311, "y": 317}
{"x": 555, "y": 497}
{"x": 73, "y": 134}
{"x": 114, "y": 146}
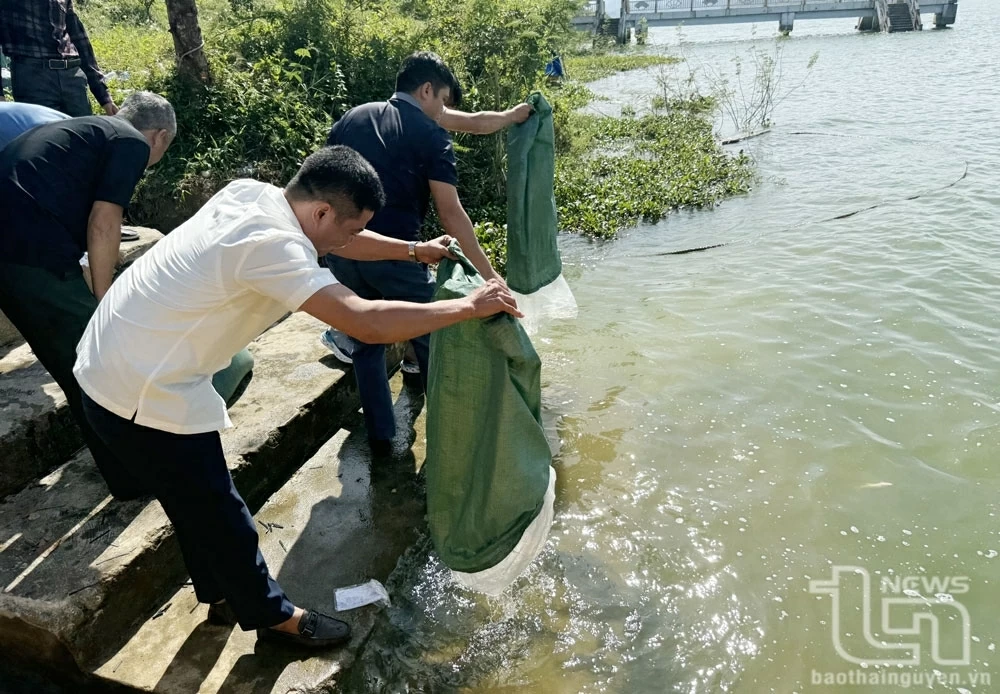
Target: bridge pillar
{"x": 868, "y": 23}
{"x": 946, "y": 18}
{"x": 785, "y": 22}
{"x": 624, "y": 30}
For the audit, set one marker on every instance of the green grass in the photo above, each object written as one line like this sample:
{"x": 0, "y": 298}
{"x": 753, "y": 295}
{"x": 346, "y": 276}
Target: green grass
{"x": 612, "y": 173}
{"x": 587, "y": 67}
{"x": 621, "y": 171}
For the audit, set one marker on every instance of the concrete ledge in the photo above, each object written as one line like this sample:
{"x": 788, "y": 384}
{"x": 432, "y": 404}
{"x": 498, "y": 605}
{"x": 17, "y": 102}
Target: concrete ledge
{"x": 37, "y": 432}
{"x": 339, "y": 520}
{"x": 80, "y": 571}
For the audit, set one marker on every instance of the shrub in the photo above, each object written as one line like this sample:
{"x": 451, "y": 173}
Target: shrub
{"x": 284, "y": 72}
{"x": 285, "y": 69}
{"x": 257, "y": 123}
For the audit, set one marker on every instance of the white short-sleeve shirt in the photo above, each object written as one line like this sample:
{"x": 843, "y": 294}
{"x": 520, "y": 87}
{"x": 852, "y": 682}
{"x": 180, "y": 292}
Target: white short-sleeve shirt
{"x": 199, "y": 296}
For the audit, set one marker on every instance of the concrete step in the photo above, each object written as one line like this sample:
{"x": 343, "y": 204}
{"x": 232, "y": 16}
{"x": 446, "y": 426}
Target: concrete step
{"x": 80, "y": 571}
{"x": 37, "y": 432}
{"x": 340, "y": 520}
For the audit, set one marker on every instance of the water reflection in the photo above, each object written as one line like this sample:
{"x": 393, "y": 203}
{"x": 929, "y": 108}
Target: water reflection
{"x": 736, "y": 422}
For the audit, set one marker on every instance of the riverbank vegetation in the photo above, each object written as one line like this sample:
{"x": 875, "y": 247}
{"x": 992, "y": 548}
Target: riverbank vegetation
{"x": 284, "y": 70}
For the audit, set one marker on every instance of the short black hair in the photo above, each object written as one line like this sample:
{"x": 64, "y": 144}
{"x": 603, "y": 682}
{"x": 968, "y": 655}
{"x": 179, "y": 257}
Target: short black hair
{"x": 341, "y": 177}
{"x": 423, "y": 67}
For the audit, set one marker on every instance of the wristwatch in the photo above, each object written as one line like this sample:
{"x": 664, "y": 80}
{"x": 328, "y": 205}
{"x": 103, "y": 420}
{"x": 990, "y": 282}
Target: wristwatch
{"x": 412, "y": 246}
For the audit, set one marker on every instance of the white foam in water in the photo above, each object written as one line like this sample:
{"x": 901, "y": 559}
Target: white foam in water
{"x": 495, "y": 579}
{"x": 554, "y": 301}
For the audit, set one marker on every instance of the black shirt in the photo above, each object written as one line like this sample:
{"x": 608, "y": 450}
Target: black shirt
{"x": 50, "y": 178}
{"x": 408, "y": 149}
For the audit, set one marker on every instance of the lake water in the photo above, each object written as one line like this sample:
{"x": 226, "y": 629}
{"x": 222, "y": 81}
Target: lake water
{"x": 738, "y": 422}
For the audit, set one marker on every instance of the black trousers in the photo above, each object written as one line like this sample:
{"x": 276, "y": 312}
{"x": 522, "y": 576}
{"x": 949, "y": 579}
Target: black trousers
{"x": 189, "y": 477}
{"x": 32, "y": 81}
{"x": 395, "y": 280}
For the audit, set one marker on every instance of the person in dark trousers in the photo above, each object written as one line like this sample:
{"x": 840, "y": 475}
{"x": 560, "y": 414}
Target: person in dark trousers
{"x": 215, "y": 283}
{"x": 406, "y": 141}
{"x": 65, "y": 186}
{"x": 52, "y": 61}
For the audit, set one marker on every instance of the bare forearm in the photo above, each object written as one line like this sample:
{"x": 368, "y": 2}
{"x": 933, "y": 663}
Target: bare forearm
{"x": 103, "y": 241}
{"x": 385, "y": 322}
{"x": 486, "y": 122}
{"x": 369, "y": 245}
{"x": 459, "y": 225}
{"x": 479, "y": 123}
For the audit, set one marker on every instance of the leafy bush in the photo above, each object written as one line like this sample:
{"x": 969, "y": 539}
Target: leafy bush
{"x": 493, "y": 238}
{"x": 259, "y": 123}
{"x": 128, "y": 12}
{"x": 590, "y": 66}
{"x": 285, "y": 69}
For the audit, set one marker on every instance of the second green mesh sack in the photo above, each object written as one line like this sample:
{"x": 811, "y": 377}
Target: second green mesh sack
{"x": 490, "y": 484}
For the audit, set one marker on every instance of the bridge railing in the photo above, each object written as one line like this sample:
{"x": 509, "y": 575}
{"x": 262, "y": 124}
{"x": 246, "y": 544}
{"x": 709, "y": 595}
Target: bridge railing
{"x": 589, "y": 10}
{"x": 667, "y": 6}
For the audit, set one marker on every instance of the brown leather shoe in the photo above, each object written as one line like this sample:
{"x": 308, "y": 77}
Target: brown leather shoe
{"x": 316, "y": 630}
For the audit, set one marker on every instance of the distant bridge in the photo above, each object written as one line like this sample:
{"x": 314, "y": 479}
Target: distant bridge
{"x": 873, "y": 15}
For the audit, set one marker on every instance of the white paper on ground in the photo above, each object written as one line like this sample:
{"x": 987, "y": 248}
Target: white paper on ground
{"x": 554, "y": 301}
{"x": 495, "y": 579}
{"x": 359, "y": 595}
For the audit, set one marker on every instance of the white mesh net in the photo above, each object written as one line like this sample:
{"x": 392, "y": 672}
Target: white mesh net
{"x": 495, "y": 579}
{"x": 554, "y": 301}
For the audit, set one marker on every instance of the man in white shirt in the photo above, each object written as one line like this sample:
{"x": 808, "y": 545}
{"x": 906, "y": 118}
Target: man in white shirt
{"x": 181, "y": 311}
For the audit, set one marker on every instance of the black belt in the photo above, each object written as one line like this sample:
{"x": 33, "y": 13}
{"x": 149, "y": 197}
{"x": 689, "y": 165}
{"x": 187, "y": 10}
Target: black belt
{"x": 52, "y": 63}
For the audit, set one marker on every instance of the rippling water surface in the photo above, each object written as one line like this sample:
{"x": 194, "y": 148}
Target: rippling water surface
{"x": 736, "y": 422}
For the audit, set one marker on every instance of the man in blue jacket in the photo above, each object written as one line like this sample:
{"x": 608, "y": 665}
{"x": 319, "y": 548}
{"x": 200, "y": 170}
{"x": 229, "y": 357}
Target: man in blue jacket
{"x": 17, "y": 118}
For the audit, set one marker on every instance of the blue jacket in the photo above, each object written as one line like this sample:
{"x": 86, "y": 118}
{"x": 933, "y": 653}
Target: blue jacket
{"x": 16, "y": 118}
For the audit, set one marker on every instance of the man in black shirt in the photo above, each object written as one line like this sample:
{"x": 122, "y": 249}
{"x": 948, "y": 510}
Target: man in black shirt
{"x": 405, "y": 142}
{"x": 64, "y": 187}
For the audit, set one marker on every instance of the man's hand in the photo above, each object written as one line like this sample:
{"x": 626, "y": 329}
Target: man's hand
{"x": 519, "y": 113}
{"x": 493, "y": 297}
{"x": 495, "y": 276}
{"x": 110, "y": 108}
{"x": 431, "y": 252}
{"x": 104, "y": 235}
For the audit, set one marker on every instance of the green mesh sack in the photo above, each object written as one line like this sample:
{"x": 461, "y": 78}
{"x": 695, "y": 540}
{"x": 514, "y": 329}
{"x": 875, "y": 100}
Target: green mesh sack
{"x": 490, "y": 485}
{"x": 534, "y": 267}
{"x": 232, "y": 380}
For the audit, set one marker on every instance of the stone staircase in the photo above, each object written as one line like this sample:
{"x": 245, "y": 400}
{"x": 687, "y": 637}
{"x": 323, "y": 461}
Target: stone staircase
{"x": 93, "y": 592}
{"x": 901, "y": 15}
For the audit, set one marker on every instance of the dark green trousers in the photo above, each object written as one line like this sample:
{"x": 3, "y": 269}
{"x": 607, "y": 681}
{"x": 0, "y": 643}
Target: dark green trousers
{"x": 52, "y": 313}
